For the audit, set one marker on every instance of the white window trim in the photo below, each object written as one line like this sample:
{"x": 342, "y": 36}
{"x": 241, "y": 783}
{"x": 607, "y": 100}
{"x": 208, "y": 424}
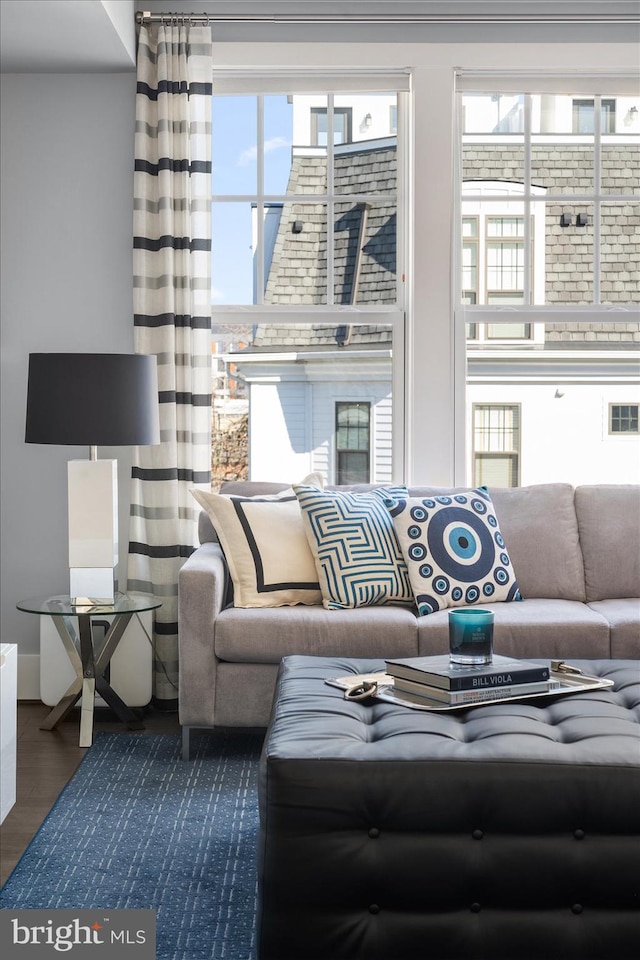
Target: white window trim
{"x": 480, "y": 202}
{"x": 333, "y": 459}
{"x": 434, "y": 390}
{"x": 527, "y": 313}
{"x": 622, "y": 434}
{"x": 278, "y": 81}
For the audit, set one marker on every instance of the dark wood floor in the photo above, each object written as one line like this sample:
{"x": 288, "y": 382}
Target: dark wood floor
{"x": 46, "y": 761}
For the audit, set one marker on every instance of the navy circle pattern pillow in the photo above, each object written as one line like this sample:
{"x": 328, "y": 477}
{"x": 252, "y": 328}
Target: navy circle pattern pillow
{"x": 454, "y": 550}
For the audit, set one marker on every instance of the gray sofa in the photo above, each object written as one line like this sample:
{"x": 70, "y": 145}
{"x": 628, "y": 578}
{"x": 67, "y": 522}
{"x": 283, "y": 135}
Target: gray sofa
{"x": 574, "y": 551}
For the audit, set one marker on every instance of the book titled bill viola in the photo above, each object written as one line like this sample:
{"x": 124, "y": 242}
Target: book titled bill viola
{"x": 440, "y": 672}
{"x": 418, "y": 692}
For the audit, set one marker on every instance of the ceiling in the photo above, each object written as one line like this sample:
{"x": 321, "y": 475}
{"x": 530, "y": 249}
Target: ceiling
{"x": 67, "y": 36}
{"x": 97, "y": 36}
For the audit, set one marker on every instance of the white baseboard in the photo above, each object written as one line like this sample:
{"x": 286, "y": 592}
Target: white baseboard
{"x": 29, "y": 676}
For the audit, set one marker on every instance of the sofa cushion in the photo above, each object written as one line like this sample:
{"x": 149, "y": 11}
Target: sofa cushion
{"x": 265, "y": 546}
{"x": 609, "y": 524}
{"x": 530, "y": 629}
{"x": 539, "y": 524}
{"x": 356, "y": 551}
{"x": 623, "y": 617}
{"x": 265, "y": 636}
{"x": 454, "y": 550}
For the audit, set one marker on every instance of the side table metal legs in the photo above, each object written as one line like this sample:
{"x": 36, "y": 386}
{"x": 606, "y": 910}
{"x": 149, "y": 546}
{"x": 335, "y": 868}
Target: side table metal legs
{"x": 70, "y": 697}
{"x": 90, "y": 675}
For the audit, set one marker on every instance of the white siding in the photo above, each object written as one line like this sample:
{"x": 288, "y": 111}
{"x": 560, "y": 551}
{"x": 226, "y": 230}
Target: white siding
{"x": 552, "y": 450}
{"x": 382, "y": 433}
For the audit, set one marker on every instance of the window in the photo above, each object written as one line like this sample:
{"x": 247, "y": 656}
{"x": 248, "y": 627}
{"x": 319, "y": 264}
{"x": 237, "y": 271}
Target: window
{"x": 493, "y": 270}
{"x": 496, "y": 445}
{"x": 623, "y": 418}
{"x": 505, "y": 259}
{"x": 341, "y": 125}
{"x": 393, "y": 119}
{"x": 305, "y": 222}
{"x": 583, "y": 116}
{"x": 353, "y": 438}
{"x": 549, "y": 241}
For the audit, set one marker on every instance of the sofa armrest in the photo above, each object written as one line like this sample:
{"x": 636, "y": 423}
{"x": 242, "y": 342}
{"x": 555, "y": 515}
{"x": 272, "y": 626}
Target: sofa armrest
{"x": 202, "y": 585}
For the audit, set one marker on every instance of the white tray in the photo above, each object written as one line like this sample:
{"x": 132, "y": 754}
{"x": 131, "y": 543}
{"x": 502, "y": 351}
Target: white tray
{"x": 569, "y": 683}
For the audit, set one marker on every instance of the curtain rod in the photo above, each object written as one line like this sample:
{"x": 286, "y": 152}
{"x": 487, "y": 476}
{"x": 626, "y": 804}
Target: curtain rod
{"x": 399, "y": 18}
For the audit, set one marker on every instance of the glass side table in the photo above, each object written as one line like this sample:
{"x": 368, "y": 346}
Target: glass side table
{"x": 89, "y": 664}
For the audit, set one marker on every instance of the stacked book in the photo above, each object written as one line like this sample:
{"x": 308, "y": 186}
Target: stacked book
{"x": 437, "y": 679}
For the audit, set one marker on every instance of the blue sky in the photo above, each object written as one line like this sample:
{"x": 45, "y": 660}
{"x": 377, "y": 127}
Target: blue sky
{"x": 234, "y": 155}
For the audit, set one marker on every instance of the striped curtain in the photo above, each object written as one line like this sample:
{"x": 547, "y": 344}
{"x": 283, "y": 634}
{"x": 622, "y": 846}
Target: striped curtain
{"x": 172, "y": 316}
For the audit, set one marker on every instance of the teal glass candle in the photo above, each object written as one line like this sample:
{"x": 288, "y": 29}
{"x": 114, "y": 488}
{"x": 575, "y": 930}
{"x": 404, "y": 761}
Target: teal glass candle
{"x": 470, "y": 636}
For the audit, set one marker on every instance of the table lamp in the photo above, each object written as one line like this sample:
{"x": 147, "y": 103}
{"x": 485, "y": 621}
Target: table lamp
{"x": 92, "y": 399}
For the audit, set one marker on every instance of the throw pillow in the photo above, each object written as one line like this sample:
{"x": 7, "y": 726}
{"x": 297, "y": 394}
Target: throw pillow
{"x": 266, "y": 548}
{"x": 357, "y": 554}
{"x": 454, "y": 550}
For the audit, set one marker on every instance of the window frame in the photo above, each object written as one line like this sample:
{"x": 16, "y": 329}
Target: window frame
{"x": 480, "y": 240}
{"x": 275, "y": 81}
{"x": 607, "y": 110}
{"x": 610, "y": 420}
{"x": 337, "y": 451}
{"x": 513, "y": 454}
{"x": 317, "y": 112}
{"x": 434, "y": 377}
{"x": 469, "y": 316}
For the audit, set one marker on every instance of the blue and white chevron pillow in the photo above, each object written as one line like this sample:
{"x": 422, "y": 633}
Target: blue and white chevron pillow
{"x": 357, "y": 555}
{"x": 454, "y": 550}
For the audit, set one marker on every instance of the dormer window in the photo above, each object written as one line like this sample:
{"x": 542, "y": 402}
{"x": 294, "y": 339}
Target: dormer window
{"x": 584, "y": 116}
{"x": 341, "y": 125}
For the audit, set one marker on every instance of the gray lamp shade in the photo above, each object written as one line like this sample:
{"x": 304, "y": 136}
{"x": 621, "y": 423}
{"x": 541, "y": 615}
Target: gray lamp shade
{"x": 92, "y": 399}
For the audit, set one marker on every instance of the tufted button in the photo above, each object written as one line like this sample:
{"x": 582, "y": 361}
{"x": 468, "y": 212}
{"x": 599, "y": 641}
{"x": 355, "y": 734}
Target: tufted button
{"x": 578, "y": 834}
{"x": 475, "y": 908}
{"x": 374, "y": 833}
{"x": 576, "y": 908}
{"x": 374, "y": 908}
{"x": 478, "y": 834}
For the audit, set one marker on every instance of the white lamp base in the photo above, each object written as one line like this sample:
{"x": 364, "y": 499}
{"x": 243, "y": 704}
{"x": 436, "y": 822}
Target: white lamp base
{"x": 93, "y": 528}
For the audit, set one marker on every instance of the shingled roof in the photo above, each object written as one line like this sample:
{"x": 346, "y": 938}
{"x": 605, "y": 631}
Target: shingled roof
{"x": 316, "y": 336}
{"x": 364, "y": 234}
{"x": 365, "y": 254}
{"x": 364, "y": 248}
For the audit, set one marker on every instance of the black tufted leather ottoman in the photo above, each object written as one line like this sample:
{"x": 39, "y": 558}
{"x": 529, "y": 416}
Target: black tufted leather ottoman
{"x": 495, "y": 833}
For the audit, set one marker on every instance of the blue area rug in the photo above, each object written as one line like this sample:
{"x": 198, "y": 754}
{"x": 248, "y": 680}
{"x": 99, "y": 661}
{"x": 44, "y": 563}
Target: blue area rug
{"x": 137, "y": 827}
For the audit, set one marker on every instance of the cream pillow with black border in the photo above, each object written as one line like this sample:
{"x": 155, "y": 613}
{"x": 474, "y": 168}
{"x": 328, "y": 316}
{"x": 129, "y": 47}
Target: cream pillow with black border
{"x": 266, "y": 547}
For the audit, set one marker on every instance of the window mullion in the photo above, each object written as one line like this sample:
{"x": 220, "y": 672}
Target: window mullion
{"x": 597, "y": 184}
{"x": 259, "y": 272}
{"x": 526, "y": 295}
{"x": 330, "y": 202}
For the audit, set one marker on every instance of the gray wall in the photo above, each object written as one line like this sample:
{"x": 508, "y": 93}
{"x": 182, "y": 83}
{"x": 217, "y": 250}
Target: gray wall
{"x": 67, "y": 183}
